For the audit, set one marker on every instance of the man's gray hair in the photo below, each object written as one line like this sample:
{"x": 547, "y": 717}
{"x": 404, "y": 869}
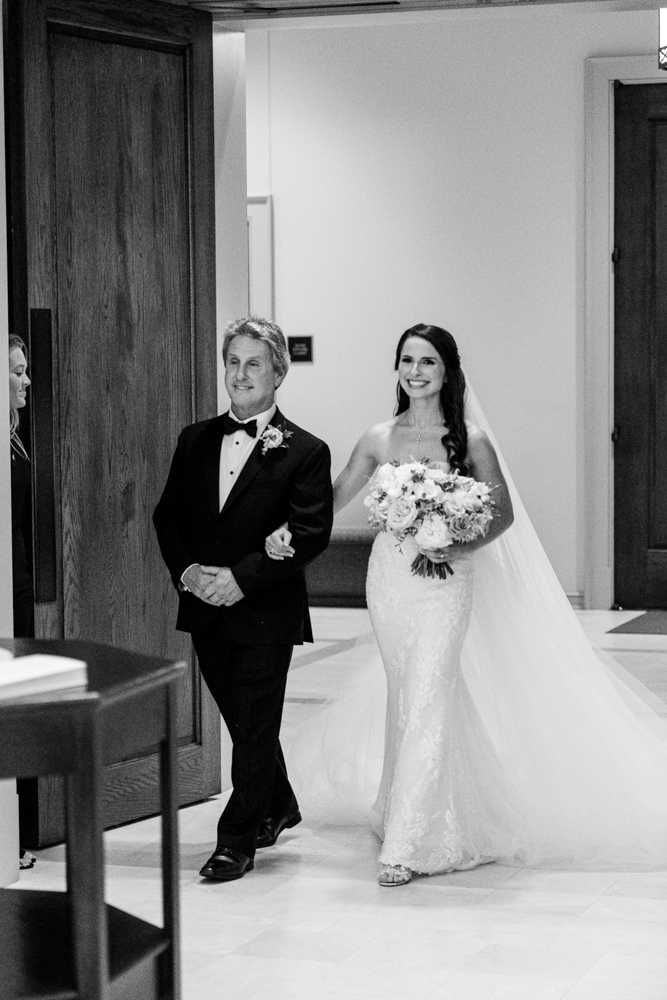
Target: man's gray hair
{"x": 259, "y": 329}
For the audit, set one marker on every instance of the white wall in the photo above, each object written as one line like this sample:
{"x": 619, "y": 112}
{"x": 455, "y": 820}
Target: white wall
{"x": 433, "y": 172}
{"x": 231, "y": 228}
{"x": 9, "y": 839}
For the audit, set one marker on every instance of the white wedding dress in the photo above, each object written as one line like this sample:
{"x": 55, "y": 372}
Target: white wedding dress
{"x": 494, "y": 731}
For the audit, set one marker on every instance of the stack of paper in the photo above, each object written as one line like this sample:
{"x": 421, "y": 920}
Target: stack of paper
{"x": 35, "y": 674}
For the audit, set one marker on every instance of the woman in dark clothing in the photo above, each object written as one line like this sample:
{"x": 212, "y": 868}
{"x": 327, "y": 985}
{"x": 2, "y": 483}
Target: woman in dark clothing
{"x": 21, "y": 577}
{"x": 20, "y": 464}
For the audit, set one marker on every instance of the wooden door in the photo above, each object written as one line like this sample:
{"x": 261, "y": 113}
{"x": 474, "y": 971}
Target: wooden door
{"x": 640, "y": 254}
{"x": 111, "y": 140}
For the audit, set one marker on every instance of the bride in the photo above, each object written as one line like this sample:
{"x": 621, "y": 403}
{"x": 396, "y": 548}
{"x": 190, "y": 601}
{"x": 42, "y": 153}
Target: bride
{"x": 507, "y": 737}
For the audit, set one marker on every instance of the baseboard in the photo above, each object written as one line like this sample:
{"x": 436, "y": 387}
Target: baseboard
{"x": 336, "y": 601}
{"x": 337, "y": 578}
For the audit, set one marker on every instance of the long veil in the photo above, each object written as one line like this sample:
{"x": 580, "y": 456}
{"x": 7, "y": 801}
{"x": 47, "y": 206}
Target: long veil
{"x": 583, "y": 744}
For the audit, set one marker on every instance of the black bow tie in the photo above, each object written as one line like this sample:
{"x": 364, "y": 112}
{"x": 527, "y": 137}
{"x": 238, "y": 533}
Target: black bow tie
{"x": 231, "y": 426}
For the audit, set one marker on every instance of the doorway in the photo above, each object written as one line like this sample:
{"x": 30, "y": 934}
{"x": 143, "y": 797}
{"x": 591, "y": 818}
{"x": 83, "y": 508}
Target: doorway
{"x": 110, "y": 132}
{"x": 640, "y": 346}
{"x": 597, "y": 374}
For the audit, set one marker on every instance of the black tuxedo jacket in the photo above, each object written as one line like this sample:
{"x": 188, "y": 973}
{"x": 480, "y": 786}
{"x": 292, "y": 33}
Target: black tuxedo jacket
{"x": 286, "y": 484}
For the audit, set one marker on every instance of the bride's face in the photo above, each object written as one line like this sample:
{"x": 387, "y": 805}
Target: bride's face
{"x": 421, "y": 370}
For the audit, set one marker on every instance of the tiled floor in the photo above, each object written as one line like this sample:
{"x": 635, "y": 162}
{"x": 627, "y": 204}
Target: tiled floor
{"x": 312, "y": 922}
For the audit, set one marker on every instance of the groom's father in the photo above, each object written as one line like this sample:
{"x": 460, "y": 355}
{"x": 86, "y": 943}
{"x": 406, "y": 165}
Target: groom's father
{"x": 233, "y": 480}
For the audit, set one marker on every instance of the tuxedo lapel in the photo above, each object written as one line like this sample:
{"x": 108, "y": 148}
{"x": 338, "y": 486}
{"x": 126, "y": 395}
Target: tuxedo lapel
{"x": 255, "y": 463}
{"x": 212, "y": 463}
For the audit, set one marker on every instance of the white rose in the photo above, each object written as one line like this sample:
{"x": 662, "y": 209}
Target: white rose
{"x": 394, "y": 490}
{"x": 401, "y": 514}
{"x": 433, "y": 533}
{"x": 427, "y": 490}
{"x": 386, "y": 472}
{"x": 437, "y": 475}
{"x": 404, "y": 473}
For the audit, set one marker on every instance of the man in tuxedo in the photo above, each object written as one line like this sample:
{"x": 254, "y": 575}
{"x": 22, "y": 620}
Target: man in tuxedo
{"x": 233, "y": 480}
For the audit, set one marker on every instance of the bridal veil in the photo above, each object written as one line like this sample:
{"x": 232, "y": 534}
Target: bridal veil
{"x": 582, "y": 743}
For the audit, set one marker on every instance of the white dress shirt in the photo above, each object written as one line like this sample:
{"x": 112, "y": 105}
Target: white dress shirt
{"x": 234, "y": 453}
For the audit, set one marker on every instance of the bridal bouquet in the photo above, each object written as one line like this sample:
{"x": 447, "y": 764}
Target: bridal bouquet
{"x": 436, "y": 507}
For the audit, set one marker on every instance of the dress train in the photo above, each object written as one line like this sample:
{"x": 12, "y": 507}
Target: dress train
{"x": 508, "y": 736}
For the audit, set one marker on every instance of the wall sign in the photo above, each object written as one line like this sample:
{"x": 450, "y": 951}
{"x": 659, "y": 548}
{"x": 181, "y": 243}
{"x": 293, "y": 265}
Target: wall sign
{"x": 300, "y": 348}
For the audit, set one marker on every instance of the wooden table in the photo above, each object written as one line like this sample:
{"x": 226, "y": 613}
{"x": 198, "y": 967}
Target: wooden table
{"x": 71, "y": 945}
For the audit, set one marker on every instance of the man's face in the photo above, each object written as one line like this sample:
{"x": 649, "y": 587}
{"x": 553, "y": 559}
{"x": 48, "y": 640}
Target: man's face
{"x": 250, "y": 378}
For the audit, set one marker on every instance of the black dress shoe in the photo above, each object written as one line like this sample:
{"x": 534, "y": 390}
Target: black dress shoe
{"x": 271, "y": 829}
{"x": 226, "y": 865}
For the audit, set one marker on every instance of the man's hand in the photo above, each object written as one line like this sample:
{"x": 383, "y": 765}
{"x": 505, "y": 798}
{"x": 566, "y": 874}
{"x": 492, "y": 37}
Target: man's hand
{"x": 221, "y": 587}
{"x": 196, "y": 580}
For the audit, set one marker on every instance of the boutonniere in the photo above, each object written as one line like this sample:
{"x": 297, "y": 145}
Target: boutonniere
{"x": 274, "y": 437}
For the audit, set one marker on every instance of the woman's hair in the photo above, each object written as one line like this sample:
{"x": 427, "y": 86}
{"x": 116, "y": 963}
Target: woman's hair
{"x": 452, "y": 394}
{"x": 259, "y": 329}
{"x": 15, "y": 343}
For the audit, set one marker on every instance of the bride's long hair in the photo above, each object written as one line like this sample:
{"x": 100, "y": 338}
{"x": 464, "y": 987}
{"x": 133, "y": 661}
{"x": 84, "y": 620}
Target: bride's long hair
{"x": 452, "y": 394}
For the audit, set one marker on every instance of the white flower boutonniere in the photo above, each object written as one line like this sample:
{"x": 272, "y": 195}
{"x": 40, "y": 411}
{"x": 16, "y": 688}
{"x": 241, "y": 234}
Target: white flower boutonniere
{"x": 274, "y": 437}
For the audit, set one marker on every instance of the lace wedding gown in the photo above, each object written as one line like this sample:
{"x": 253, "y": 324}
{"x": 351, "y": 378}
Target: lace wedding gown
{"x": 442, "y": 802}
{"x": 498, "y": 731}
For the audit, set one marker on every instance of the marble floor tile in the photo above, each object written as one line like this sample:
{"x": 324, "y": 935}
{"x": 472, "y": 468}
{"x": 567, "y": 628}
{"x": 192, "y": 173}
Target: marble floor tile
{"x": 240, "y": 977}
{"x": 363, "y": 869}
{"x": 534, "y": 901}
{"x": 414, "y": 896}
{"x": 254, "y": 887}
{"x": 339, "y": 623}
{"x": 628, "y": 908}
{"x": 385, "y": 980}
{"x": 585, "y": 990}
{"x": 546, "y": 962}
{"x": 624, "y": 970}
{"x": 485, "y": 986}
{"x": 614, "y": 935}
{"x": 366, "y": 845}
{"x": 303, "y": 945}
{"x": 492, "y": 876}
{"x": 578, "y": 883}
{"x": 336, "y": 894}
{"x": 310, "y": 922}
{"x": 639, "y": 885}
{"x": 403, "y": 954}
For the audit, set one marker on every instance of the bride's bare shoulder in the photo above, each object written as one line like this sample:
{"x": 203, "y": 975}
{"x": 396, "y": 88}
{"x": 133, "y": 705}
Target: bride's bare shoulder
{"x": 375, "y": 440}
{"x": 475, "y": 433}
{"x": 380, "y": 432}
{"x": 480, "y": 449}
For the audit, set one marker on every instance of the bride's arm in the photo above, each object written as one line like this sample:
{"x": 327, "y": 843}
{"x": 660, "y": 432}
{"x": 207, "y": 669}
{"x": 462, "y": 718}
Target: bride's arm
{"x": 359, "y": 469}
{"x": 483, "y": 464}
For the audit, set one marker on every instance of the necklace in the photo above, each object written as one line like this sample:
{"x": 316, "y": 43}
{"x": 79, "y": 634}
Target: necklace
{"x": 424, "y": 429}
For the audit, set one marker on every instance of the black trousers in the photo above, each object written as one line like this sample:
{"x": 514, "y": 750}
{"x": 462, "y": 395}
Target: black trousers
{"x": 248, "y": 684}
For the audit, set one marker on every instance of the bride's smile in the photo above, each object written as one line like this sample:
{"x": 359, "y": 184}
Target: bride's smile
{"x": 421, "y": 370}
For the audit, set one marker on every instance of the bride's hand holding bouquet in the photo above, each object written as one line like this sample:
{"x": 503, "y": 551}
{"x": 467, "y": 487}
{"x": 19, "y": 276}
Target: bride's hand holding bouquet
{"x": 438, "y": 509}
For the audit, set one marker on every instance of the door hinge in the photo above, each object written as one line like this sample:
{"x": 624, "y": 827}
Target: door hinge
{"x": 616, "y": 433}
{"x": 615, "y": 255}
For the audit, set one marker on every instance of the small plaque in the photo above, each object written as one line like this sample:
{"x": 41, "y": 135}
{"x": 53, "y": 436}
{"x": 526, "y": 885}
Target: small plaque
{"x": 300, "y": 348}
